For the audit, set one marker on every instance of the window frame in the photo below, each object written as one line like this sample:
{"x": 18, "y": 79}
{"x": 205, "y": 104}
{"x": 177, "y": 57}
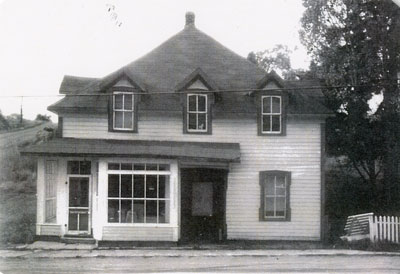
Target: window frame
{"x": 260, "y": 113}
{"x": 262, "y": 212}
{"x": 113, "y": 110}
{"x": 168, "y": 200}
{"x": 207, "y": 112}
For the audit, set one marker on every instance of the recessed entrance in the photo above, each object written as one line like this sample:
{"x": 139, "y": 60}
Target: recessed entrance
{"x": 203, "y": 205}
{"x": 78, "y": 205}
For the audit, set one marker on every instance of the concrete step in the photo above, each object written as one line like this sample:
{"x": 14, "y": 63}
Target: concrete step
{"x": 78, "y": 239}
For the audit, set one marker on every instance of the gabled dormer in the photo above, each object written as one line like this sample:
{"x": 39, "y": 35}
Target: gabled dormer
{"x": 197, "y": 97}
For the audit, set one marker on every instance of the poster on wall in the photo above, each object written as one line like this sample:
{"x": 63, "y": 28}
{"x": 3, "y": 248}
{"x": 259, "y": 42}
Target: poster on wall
{"x": 202, "y": 199}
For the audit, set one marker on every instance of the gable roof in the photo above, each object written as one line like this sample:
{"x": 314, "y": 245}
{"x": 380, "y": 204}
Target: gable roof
{"x": 172, "y": 65}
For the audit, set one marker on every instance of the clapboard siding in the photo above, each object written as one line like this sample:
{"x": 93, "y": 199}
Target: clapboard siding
{"x": 298, "y": 152}
{"x": 50, "y": 230}
{"x": 127, "y": 233}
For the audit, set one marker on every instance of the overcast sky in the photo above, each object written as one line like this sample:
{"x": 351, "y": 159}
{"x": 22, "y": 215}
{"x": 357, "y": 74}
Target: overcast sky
{"x": 41, "y": 41}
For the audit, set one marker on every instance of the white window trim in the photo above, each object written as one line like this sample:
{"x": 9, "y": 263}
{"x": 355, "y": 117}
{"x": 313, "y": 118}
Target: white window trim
{"x": 142, "y": 172}
{"x": 188, "y": 111}
{"x": 124, "y": 110}
{"x": 275, "y": 196}
{"x": 271, "y": 114}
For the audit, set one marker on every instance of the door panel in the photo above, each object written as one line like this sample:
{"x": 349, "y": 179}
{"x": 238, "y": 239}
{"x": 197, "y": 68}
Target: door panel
{"x": 78, "y": 215}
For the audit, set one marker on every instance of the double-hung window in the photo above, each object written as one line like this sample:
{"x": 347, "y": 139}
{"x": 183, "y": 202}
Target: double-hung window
{"x": 123, "y": 111}
{"x": 275, "y": 189}
{"x": 197, "y": 113}
{"x": 271, "y": 114}
{"x": 138, "y": 193}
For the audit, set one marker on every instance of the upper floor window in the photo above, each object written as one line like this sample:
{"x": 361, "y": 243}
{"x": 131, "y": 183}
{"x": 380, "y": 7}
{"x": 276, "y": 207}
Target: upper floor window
{"x": 275, "y": 195}
{"x": 271, "y": 114}
{"x": 197, "y": 113}
{"x": 123, "y": 111}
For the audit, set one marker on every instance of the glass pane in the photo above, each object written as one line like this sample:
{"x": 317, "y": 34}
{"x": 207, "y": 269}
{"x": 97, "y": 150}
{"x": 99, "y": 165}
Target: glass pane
{"x": 192, "y": 103}
{"x": 276, "y": 123}
{"x": 163, "y": 183}
{"x": 126, "y": 211}
{"x": 151, "y": 166}
{"x": 163, "y": 212}
{"x": 192, "y": 121}
{"x": 83, "y": 221}
{"x": 73, "y": 167}
{"x": 269, "y": 188}
{"x": 128, "y": 120}
{"x": 113, "y": 185}
{"x": 269, "y": 206}
{"x": 202, "y": 121}
{"x": 78, "y": 192}
{"x": 267, "y": 105}
{"x": 83, "y": 199}
{"x": 139, "y": 167}
{"x": 138, "y": 211}
{"x": 280, "y": 206}
{"x": 276, "y": 105}
{"x": 85, "y": 167}
{"x": 118, "y": 119}
{"x": 202, "y": 103}
{"x": 118, "y": 101}
{"x": 151, "y": 186}
{"x": 266, "y": 126}
{"x": 126, "y": 166}
{"x": 163, "y": 167}
{"x": 128, "y": 102}
{"x": 113, "y": 211}
{"x": 151, "y": 211}
{"x": 113, "y": 166}
{"x": 138, "y": 186}
{"x": 280, "y": 181}
{"x": 280, "y": 191}
{"x": 72, "y": 221}
{"x": 126, "y": 186}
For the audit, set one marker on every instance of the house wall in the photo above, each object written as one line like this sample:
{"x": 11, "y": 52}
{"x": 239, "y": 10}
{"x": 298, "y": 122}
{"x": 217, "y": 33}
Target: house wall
{"x": 298, "y": 152}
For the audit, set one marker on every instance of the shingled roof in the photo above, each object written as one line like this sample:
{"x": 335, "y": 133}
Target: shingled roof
{"x": 163, "y": 70}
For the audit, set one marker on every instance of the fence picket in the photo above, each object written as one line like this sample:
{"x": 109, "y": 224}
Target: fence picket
{"x": 380, "y": 228}
{"x": 392, "y": 229}
{"x": 396, "y": 225}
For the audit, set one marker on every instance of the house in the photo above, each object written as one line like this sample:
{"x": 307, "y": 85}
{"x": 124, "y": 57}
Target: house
{"x": 189, "y": 143}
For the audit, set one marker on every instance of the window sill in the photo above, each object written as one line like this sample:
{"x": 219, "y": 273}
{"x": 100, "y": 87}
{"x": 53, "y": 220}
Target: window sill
{"x": 275, "y": 219}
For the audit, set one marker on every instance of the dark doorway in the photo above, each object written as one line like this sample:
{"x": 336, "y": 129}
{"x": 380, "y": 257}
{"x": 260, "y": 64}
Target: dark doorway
{"x": 203, "y": 205}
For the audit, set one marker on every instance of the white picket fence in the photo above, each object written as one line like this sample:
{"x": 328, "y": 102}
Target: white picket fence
{"x": 384, "y": 228}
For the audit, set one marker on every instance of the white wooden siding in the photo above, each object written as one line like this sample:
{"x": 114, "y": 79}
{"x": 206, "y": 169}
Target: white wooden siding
{"x": 298, "y": 152}
{"x": 49, "y": 230}
{"x": 128, "y": 233}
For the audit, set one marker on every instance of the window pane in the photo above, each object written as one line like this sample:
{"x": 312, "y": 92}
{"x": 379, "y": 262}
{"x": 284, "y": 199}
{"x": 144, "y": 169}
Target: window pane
{"x": 138, "y": 186}
{"x": 163, "y": 186}
{"x": 151, "y": 166}
{"x": 126, "y": 186}
{"x": 118, "y": 101}
{"x": 139, "y": 166}
{"x": 128, "y": 120}
{"x": 138, "y": 211}
{"x": 83, "y": 221}
{"x": 73, "y": 221}
{"x": 118, "y": 119}
{"x": 276, "y": 105}
{"x": 85, "y": 167}
{"x": 269, "y": 206}
{"x": 192, "y": 103}
{"x": 202, "y": 103}
{"x": 163, "y": 212}
{"x": 280, "y": 191}
{"x": 128, "y": 102}
{"x": 113, "y": 211}
{"x": 151, "y": 186}
{"x": 269, "y": 189}
{"x": 151, "y": 211}
{"x": 266, "y": 126}
{"x": 192, "y": 121}
{"x": 280, "y": 181}
{"x": 202, "y": 121}
{"x": 73, "y": 167}
{"x": 280, "y": 206}
{"x": 126, "y": 211}
{"x": 267, "y": 104}
{"x": 276, "y": 123}
{"x": 125, "y": 166}
{"x": 113, "y": 166}
{"x": 113, "y": 185}
{"x": 163, "y": 167}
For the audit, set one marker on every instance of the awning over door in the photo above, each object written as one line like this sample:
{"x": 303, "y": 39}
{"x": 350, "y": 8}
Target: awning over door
{"x": 221, "y": 152}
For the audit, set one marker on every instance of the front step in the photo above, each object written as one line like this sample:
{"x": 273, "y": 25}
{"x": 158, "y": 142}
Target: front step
{"x": 78, "y": 239}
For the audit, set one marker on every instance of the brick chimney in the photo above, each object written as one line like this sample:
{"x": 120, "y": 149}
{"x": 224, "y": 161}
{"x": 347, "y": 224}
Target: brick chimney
{"x": 189, "y": 19}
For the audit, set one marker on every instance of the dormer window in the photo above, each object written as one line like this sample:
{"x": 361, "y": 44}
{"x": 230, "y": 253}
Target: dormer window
{"x": 271, "y": 114}
{"x": 123, "y": 111}
{"x": 197, "y": 113}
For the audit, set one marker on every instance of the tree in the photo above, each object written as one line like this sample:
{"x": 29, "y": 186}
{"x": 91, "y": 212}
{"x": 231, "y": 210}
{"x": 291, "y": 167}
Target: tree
{"x": 355, "y": 45}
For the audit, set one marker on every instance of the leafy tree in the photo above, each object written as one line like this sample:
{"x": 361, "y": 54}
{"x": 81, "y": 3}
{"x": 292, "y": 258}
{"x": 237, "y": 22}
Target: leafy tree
{"x": 42, "y": 117}
{"x": 355, "y": 46}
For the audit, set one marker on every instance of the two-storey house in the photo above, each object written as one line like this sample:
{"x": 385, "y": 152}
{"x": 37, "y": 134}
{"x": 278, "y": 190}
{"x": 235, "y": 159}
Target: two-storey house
{"x": 190, "y": 142}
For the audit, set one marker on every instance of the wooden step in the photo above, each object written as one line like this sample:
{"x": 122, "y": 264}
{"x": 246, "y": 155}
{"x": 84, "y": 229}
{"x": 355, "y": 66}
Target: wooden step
{"x": 78, "y": 239}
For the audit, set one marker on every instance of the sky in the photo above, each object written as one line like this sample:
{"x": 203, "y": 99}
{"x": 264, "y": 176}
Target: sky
{"x": 43, "y": 40}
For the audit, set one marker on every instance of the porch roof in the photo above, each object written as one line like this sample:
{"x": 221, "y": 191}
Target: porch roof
{"x": 221, "y": 152}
